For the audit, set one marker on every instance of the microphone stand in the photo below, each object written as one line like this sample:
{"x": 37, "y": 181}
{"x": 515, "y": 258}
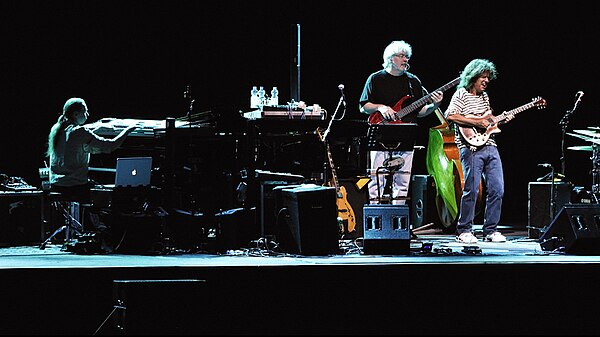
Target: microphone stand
{"x": 187, "y": 94}
{"x": 564, "y": 122}
{"x": 341, "y": 102}
{"x": 552, "y": 196}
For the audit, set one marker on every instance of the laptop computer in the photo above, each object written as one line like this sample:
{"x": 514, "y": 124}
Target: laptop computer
{"x": 133, "y": 172}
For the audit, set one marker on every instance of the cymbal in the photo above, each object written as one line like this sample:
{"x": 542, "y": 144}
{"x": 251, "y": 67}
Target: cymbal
{"x": 586, "y": 138}
{"x": 581, "y": 148}
{"x": 588, "y": 133}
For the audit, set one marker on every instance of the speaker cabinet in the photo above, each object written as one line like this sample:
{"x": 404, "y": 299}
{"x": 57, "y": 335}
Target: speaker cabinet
{"x": 267, "y": 210}
{"x": 386, "y": 230}
{"x": 539, "y": 215}
{"x": 423, "y": 208}
{"x": 574, "y": 230}
{"x": 310, "y": 226}
{"x": 21, "y": 218}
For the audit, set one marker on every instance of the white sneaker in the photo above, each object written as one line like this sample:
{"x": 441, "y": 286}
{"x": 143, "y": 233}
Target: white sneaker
{"x": 466, "y": 237}
{"x": 495, "y": 237}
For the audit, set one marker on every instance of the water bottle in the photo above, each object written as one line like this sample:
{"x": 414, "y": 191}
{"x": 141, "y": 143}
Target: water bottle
{"x": 261, "y": 96}
{"x": 274, "y": 97}
{"x": 254, "y": 100}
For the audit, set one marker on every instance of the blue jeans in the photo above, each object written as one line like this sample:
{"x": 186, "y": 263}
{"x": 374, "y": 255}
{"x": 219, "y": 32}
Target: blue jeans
{"x": 486, "y": 163}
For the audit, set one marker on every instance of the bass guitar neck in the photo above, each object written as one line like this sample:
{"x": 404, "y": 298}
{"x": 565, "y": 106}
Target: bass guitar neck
{"x": 401, "y": 112}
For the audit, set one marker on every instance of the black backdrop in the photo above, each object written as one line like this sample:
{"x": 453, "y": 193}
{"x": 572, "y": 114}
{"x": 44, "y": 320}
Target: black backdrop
{"x": 133, "y": 59}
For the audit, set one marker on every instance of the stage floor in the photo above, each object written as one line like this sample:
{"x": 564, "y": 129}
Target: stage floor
{"x": 510, "y": 288}
{"x": 428, "y": 246}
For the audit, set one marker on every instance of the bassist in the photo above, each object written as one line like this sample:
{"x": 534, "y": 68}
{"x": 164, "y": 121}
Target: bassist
{"x": 384, "y": 90}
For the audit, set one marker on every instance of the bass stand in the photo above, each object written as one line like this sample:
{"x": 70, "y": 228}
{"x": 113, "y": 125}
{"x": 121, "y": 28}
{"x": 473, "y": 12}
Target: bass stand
{"x": 595, "y": 171}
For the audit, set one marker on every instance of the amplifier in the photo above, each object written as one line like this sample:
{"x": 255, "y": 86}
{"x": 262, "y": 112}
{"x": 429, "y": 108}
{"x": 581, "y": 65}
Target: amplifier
{"x": 21, "y": 218}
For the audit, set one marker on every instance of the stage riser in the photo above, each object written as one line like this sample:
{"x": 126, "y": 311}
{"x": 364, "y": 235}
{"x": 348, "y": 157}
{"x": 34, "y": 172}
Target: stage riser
{"x": 315, "y": 299}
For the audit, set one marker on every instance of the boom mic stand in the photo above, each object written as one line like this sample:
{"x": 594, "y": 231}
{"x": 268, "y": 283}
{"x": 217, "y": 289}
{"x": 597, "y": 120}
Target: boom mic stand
{"x": 564, "y": 122}
{"x": 341, "y": 102}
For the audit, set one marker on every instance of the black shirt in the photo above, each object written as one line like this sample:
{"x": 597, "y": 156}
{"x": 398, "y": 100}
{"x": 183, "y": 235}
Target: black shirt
{"x": 383, "y": 88}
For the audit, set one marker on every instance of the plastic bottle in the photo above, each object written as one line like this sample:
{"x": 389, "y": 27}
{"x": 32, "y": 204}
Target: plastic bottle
{"x": 254, "y": 100}
{"x": 261, "y": 96}
{"x": 274, "y": 97}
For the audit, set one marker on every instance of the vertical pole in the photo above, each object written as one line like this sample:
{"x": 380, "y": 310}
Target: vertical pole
{"x": 295, "y": 63}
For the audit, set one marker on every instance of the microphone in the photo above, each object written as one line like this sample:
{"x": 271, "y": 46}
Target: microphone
{"x": 578, "y": 96}
{"x": 343, "y": 98}
{"x": 544, "y": 165}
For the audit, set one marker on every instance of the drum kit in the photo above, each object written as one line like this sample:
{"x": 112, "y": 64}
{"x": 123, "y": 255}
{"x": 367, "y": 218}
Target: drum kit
{"x": 591, "y": 135}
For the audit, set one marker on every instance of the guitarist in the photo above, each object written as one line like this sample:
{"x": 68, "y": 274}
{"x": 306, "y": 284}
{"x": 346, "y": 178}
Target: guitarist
{"x": 382, "y": 91}
{"x": 469, "y": 101}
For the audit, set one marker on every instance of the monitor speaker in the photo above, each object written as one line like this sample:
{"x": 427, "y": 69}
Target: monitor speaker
{"x": 574, "y": 230}
{"x": 386, "y": 230}
{"x": 309, "y": 225}
{"x": 423, "y": 208}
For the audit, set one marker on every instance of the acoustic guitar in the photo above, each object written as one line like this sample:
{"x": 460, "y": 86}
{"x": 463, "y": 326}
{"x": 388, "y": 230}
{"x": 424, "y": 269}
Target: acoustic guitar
{"x": 345, "y": 211}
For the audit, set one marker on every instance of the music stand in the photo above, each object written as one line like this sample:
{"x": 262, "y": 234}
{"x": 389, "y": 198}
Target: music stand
{"x": 390, "y": 137}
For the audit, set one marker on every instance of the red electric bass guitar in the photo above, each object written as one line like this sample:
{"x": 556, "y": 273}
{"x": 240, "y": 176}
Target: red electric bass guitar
{"x": 377, "y": 118}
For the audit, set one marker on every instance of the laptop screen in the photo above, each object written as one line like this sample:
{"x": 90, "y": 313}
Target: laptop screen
{"x": 133, "y": 171}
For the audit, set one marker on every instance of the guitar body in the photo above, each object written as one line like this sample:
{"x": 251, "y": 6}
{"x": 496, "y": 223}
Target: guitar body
{"x": 345, "y": 211}
{"x": 377, "y": 118}
{"x": 476, "y": 136}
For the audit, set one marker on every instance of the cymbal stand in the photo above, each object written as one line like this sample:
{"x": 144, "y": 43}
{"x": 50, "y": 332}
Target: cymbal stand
{"x": 595, "y": 171}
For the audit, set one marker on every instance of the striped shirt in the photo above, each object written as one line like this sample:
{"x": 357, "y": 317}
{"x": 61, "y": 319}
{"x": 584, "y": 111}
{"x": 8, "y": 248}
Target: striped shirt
{"x": 465, "y": 103}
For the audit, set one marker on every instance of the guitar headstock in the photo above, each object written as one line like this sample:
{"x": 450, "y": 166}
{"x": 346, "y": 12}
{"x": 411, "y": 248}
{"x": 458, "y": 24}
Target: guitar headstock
{"x": 319, "y": 133}
{"x": 539, "y": 102}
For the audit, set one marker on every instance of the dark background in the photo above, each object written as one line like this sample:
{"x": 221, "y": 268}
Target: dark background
{"x": 133, "y": 59}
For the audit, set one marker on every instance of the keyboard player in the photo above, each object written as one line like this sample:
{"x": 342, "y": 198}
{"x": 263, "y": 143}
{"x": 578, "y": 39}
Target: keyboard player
{"x": 70, "y": 145}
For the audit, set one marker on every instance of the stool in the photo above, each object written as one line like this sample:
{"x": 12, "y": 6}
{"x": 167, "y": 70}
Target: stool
{"x": 71, "y": 211}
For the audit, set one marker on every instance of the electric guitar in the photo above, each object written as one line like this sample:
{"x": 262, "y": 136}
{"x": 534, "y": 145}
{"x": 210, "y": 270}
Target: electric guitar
{"x": 345, "y": 211}
{"x": 477, "y": 136}
{"x": 401, "y": 112}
